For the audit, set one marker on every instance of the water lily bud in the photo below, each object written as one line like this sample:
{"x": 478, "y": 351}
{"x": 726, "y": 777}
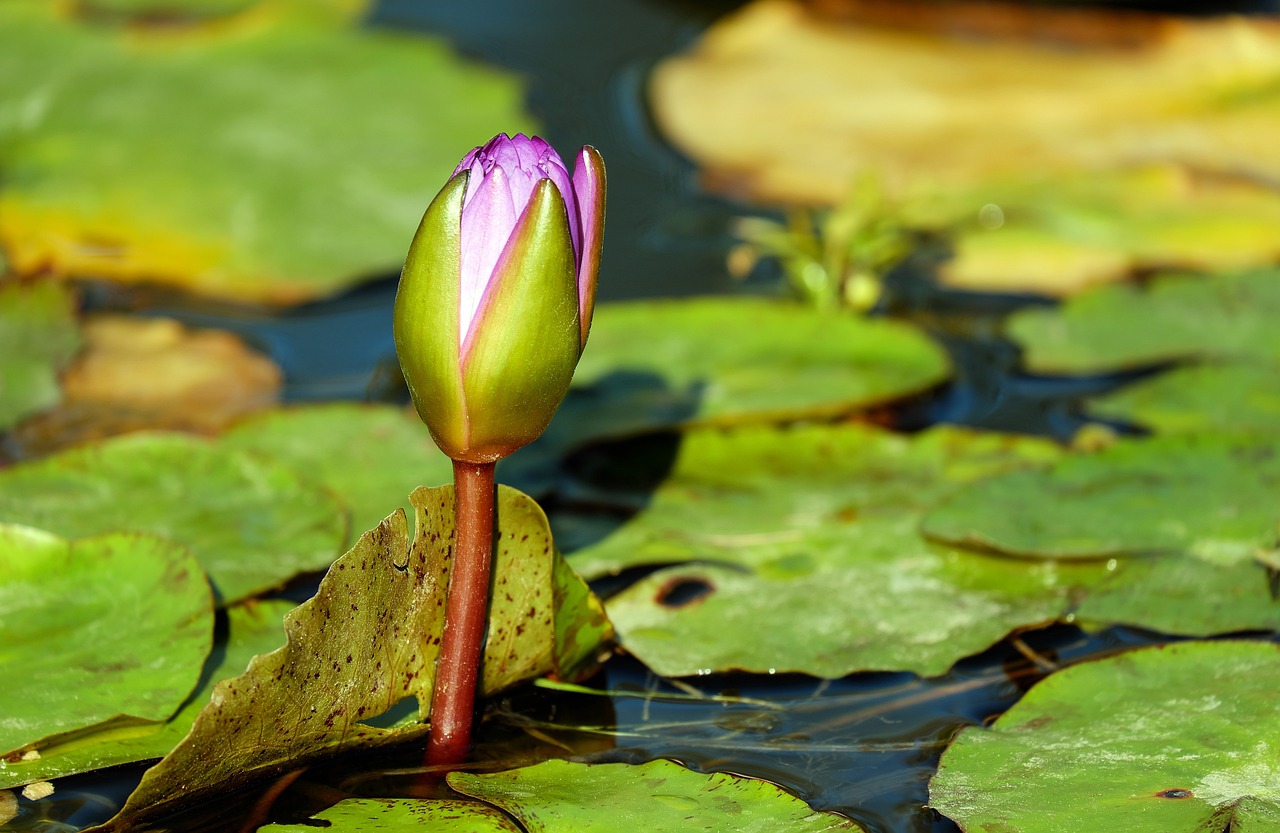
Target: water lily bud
{"x": 495, "y": 299}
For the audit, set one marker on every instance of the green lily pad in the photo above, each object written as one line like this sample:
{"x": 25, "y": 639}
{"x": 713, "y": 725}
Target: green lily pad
{"x": 38, "y": 336}
{"x": 1224, "y": 317}
{"x": 111, "y": 627}
{"x": 1174, "y": 739}
{"x": 560, "y": 796}
{"x": 253, "y": 628}
{"x": 821, "y": 521}
{"x": 405, "y": 814}
{"x": 366, "y": 641}
{"x": 1211, "y": 496}
{"x": 731, "y": 360}
{"x": 306, "y": 150}
{"x": 1233, "y": 397}
{"x": 372, "y": 456}
{"x": 250, "y": 521}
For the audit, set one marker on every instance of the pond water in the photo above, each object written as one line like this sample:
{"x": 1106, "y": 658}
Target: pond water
{"x": 864, "y": 746}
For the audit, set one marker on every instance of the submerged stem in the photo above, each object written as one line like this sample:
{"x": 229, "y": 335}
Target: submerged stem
{"x": 466, "y": 612}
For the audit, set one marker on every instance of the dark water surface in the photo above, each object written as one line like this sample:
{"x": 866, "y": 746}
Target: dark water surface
{"x": 864, "y": 746}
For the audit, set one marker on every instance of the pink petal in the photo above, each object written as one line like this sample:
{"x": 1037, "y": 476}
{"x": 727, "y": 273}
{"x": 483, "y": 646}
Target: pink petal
{"x": 487, "y": 222}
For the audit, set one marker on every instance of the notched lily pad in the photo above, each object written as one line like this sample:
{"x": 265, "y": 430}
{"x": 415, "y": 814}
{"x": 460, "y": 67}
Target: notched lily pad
{"x": 306, "y": 149}
{"x": 38, "y": 337}
{"x": 658, "y": 364}
{"x": 821, "y": 521}
{"x": 253, "y": 628}
{"x": 110, "y": 628}
{"x": 560, "y": 796}
{"x": 1232, "y": 397}
{"x": 366, "y": 641}
{"x": 1226, "y": 317}
{"x": 152, "y": 373}
{"x": 251, "y": 522}
{"x": 1174, "y": 739}
{"x": 1210, "y": 496}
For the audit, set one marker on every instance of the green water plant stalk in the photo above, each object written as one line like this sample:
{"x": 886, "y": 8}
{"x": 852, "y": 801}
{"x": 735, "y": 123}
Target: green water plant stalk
{"x": 491, "y": 316}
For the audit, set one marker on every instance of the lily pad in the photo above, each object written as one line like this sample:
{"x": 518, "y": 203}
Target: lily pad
{"x": 1174, "y": 318}
{"x": 251, "y": 522}
{"x": 731, "y": 360}
{"x": 560, "y": 796}
{"x": 366, "y": 641}
{"x": 821, "y": 521}
{"x": 1209, "y": 496}
{"x": 404, "y": 814}
{"x": 1232, "y": 397}
{"x": 253, "y": 628}
{"x": 1174, "y": 739}
{"x": 304, "y": 154}
{"x": 38, "y": 336}
{"x": 105, "y": 628}
{"x": 152, "y": 373}
{"x": 372, "y": 456}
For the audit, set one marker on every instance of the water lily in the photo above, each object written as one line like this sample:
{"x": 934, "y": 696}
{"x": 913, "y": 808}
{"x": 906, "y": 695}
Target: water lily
{"x": 495, "y": 299}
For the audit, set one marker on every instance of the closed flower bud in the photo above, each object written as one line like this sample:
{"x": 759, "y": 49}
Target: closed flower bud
{"x": 495, "y": 299}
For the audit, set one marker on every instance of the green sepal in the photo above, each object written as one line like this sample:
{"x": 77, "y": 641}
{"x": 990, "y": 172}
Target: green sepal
{"x": 525, "y": 338}
{"x": 426, "y": 319}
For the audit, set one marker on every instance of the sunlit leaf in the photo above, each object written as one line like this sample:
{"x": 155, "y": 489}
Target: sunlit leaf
{"x": 563, "y": 797}
{"x": 821, "y": 522}
{"x": 251, "y": 522}
{"x": 405, "y": 814}
{"x": 114, "y": 627}
{"x": 38, "y": 336}
{"x": 1175, "y": 739}
{"x": 730, "y": 360}
{"x": 278, "y": 156}
{"x": 1210, "y": 496}
{"x": 366, "y": 641}
{"x": 1222, "y": 317}
{"x": 152, "y": 373}
{"x": 253, "y": 629}
{"x": 1234, "y": 397}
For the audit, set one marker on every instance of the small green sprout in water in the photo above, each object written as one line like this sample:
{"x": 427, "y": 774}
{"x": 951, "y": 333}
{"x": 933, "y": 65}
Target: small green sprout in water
{"x": 832, "y": 258}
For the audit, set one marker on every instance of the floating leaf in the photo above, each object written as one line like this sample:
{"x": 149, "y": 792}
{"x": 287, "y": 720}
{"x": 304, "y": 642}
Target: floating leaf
{"x": 821, "y": 522}
{"x": 1224, "y": 317}
{"x": 560, "y": 796}
{"x": 1174, "y": 739}
{"x": 1210, "y": 496}
{"x": 1233, "y": 397}
{"x": 38, "y": 336}
{"x": 725, "y": 360}
{"x": 114, "y": 627}
{"x": 372, "y": 456}
{"x": 1035, "y": 171}
{"x": 253, "y": 628}
{"x": 366, "y": 641}
{"x": 138, "y": 373}
{"x": 279, "y": 156}
{"x": 404, "y": 814}
{"x": 250, "y": 521}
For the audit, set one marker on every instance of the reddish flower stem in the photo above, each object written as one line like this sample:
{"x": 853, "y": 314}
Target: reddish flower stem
{"x": 466, "y": 613}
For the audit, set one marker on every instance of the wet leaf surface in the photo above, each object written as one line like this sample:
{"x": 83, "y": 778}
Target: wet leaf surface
{"x": 152, "y": 373}
{"x": 1170, "y": 739}
{"x": 38, "y": 337}
{"x": 254, "y": 628}
{"x": 365, "y": 642}
{"x": 792, "y": 102}
{"x": 731, "y": 360}
{"x": 251, "y": 522}
{"x": 561, "y": 796}
{"x": 300, "y": 164}
{"x": 821, "y": 522}
{"x": 1173, "y": 318}
{"x": 1209, "y": 496}
{"x": 405, "y": 814}
{"x": 114, "y": 627}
